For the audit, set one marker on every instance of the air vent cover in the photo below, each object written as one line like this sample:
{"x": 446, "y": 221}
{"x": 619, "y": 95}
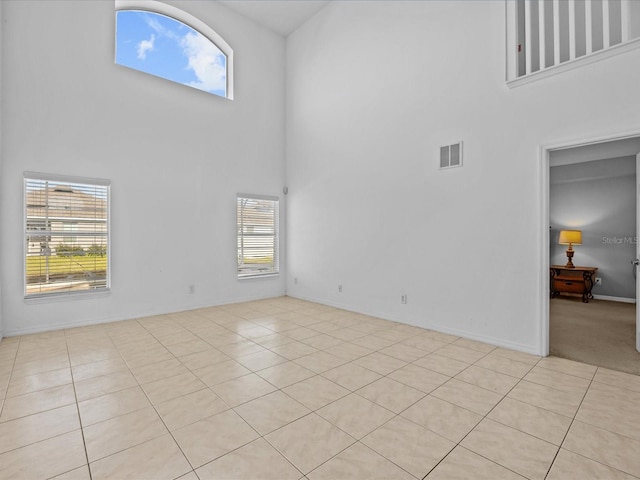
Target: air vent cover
{"x": 451, "y": 155}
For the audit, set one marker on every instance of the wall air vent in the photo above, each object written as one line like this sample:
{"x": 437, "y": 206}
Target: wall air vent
{"x": 451, "y": 156}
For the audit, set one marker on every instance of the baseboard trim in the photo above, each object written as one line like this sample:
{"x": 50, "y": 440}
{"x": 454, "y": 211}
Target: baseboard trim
{"x": 614, "y": 299}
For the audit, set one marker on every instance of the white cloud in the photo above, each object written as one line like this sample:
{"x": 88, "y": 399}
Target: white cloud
{"x": 153, "y": 23}
{"x": 145, "y": 46}
{"x": 206, "y": 61}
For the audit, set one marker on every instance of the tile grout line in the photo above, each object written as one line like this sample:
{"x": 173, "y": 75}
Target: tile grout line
{"x": 75, "y": 395}
{"x": 154, "y": 406}
{"x": 571, "y": 424}
{"x": 13, "y": 366}
{"x": 332, "y": 402}
{"x": 150, "y": 403}
{"x": 207, "y": 387}
{"x": 323, "y": 350}
{"x": 458, "y": 444}
{"x": 260, "y": 436}
{"x": 399, "y": 414}
{"x": 573, "y": 419}
{"x": 396, "y": 415}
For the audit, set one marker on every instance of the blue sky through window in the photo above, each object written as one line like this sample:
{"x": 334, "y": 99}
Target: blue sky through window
{"x": 164, "y": 47}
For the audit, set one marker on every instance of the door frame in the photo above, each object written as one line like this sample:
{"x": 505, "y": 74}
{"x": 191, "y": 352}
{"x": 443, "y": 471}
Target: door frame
{"x": 637, "y": 251}
{"x": 544, "y": 217}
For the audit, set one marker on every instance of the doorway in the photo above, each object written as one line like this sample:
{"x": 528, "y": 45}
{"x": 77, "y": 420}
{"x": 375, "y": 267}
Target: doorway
{"x": 593, "y": 187}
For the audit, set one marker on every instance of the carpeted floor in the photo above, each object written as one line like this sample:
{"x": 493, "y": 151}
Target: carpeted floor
{"x": 600, "y": 333}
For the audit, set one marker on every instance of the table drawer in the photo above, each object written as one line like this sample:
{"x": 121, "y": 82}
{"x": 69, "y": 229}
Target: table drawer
{"x": 569, "y": 286}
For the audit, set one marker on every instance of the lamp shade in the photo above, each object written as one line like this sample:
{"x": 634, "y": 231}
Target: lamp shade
{"x": 569, "y": 237}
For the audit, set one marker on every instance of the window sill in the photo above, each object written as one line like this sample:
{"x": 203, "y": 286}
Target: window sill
{"x": 577, "y": 63}
{"x": 64, "y": 297}
{"x": 263, "y": 275}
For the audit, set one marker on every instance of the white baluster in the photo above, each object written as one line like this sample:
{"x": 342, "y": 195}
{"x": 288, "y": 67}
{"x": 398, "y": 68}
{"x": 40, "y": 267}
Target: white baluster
{"x": 556, "y": 32}
{"x": 542, "y": 38}
{"x": 625, "y": 7}
{"x": 572, "y": 29}
{"x": 528, "y": 42}
{"x": 588, "y": 26}
{"x": 606, "y": 29}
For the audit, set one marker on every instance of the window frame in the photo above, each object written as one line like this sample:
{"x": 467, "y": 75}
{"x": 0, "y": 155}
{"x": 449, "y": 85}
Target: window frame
{"x": 72, "y": 180}
{"x": 275, "y": 270}
{"x": 189, "y": 20}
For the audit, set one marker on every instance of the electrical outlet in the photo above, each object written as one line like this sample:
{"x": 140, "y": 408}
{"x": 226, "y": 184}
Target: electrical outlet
{"x": 191, "y": 289}
{"x": 340, "y": 288}
{"x": 598, "y": 281}
{"x": 403, "y": 298}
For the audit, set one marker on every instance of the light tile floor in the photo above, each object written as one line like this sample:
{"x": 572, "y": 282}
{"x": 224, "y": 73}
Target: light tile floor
{"x": 286, "y": 389}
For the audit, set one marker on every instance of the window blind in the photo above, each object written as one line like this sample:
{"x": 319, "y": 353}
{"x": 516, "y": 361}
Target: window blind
{"x": 66, "y": 234}
{"x": 257, "y": 235}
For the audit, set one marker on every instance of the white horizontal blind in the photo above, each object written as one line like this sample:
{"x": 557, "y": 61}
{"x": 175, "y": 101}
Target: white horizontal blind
{"x": 257, "y": 235}
{"x": 66, "y": 235}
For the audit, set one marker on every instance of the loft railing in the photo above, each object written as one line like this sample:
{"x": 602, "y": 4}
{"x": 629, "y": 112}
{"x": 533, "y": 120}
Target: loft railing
{"x": 543, "y": 34}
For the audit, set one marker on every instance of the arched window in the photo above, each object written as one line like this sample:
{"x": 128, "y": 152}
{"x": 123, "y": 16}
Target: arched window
{"x": 164, "y": 41}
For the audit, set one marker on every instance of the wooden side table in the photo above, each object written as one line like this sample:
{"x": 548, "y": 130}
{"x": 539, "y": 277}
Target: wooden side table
{"x": 578, "y": 280}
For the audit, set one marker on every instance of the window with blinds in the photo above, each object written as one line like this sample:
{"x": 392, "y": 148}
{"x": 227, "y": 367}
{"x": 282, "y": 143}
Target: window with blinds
{"x": 66, "y": 222}
{"x": 257, "y": 233}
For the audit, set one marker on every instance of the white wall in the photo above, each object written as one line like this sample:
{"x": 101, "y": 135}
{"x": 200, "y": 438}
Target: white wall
{"x": 373, "y": 90}
{"x": 176, "y": 157}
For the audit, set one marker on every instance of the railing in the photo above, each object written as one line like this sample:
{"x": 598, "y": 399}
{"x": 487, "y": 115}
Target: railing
{"x": 548, "y": 33}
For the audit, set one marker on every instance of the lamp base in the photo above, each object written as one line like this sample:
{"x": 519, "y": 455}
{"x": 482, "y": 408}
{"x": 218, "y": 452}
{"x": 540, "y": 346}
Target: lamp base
{"x": 569, "y": 258}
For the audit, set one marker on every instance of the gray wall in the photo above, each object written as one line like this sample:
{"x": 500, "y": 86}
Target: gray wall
{"x": 599, "y": 198}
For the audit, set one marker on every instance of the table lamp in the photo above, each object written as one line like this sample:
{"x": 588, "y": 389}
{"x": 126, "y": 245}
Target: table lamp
{"x": 570, "y": 237}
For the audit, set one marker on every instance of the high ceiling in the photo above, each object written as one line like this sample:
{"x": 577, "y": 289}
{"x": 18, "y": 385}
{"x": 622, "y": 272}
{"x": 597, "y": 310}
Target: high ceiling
{"x": 281, "y": 16}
